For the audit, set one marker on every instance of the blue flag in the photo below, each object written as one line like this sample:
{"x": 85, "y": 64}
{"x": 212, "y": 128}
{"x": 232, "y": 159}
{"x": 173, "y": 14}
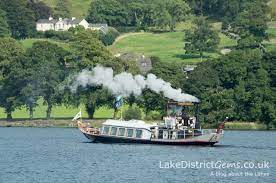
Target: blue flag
{"x": 118, "y": 102}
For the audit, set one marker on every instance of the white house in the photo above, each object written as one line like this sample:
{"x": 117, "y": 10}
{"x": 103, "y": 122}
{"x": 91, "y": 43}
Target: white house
{"x": 65, "y": 24}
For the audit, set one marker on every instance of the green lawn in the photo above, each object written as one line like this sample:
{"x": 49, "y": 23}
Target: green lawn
{"x": 272, "y": 4}
{"x": 168, "y": 46}
{"x": 58, "y": 112}
{"x": 271, "y": 33}
{"x": 77, "y": 8}
{"x": 28, "y": 43}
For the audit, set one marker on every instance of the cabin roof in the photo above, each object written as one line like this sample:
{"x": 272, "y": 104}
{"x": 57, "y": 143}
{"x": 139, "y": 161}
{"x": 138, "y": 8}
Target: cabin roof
{"x": 130, "y": 124}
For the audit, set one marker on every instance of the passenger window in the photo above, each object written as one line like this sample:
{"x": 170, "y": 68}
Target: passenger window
{"x": 138, "y": 133}
{"x": 106, "y": 130}
{"x": 113, "y": 131}
{"x": 129, "y": 132}
{"x": 121, "y": 132}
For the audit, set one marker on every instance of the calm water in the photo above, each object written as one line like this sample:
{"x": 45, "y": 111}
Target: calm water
{"x": 60, "y": 155}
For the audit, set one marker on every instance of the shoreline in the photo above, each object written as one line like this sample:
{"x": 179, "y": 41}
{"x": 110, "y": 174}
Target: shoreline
{"x": 64, "y": 123}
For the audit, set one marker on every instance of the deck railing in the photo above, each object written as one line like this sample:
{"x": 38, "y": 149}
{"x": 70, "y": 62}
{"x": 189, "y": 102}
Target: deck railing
{"x": 182, "y": 134}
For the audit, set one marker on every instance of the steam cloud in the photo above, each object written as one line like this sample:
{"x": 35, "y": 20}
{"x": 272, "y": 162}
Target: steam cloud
{"x": 125, "y": 84}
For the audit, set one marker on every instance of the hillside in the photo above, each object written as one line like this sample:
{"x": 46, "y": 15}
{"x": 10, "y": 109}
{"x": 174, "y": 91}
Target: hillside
{"x": 168, "y": 46}
{"x": 78, "y": 8}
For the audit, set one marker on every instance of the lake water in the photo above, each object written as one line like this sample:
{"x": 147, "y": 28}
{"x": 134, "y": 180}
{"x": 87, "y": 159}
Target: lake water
{"x": 61, "y": 155}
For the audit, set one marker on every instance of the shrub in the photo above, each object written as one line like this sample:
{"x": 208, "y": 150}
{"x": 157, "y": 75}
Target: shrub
{"x": 132, "y": 113}
{"x": 153, "y": 115}
{"x": 109, "y": 37}
{"x": 63, "y": 35}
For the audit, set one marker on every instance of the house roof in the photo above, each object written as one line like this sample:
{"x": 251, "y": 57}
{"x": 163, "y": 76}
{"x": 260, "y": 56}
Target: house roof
{"x": 129, "y": 124}
{"x": 70, "y": 21}
{"x": 53, "y": 21}
{"x": 47, "y": 21}
{"x": 98, "y": 25}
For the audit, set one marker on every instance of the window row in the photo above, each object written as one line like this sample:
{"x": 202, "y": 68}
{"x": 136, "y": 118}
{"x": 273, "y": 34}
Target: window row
{"x": 122, "y": 132}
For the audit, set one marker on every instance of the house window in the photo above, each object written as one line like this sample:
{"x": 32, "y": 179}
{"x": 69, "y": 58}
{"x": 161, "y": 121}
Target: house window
{"x": 129, "y": 132}
{"x": 139, "y": 133}
{"x": 106, "y": 130}
{"x": 121, "y": 132}
{"x": 113, "y": 131}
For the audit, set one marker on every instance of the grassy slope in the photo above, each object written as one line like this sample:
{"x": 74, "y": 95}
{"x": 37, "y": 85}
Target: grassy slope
{"x": 77, "y": 8}
{"x": 272, "y": 4}
{"x": 167, "y": 46}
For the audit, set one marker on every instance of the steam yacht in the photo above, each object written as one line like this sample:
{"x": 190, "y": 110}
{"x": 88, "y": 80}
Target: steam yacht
{"x": 177, "y": 128}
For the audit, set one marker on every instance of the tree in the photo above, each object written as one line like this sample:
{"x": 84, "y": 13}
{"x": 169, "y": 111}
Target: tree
{"x": 237, "y": 85}
{"x": 178, "y": 11}
{"x": 94, "y": 98}
{"x": 61, "y": 9}
{"x": 162, "y": 17}
{"x": 19, "y": 17}
{"x": 171, "y": 72}
{"x": 111, "y": 12}
{"x": 40, "y": 9}
{"x": 151, "y": 101}
{"x": 133, "y": 112}
{"x": 88, "y": 52}
{"x": 201, "y": 38}
{"x": 46, "y": 67}
{"x": 136, "y": 10}
{"x": 109, "y": 37}
{"x": 10, "y": 75}
{"x": 252, "y": 21}
{"x": 4, "y": 27}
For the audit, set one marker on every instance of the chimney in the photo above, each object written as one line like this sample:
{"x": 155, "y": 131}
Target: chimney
{"x": 73, "y": 18}
{"x": 50, "y": 18}
{"x": 60, "y": 19}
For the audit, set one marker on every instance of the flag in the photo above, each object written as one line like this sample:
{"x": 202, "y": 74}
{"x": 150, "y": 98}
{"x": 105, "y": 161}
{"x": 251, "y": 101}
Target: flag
{"x": 118, "y": 102}
{"x": 77, "y": 116}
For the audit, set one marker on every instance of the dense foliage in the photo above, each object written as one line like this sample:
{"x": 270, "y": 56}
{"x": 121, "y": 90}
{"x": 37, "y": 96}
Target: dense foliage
{"x": 201, "y": 38}
{"x": 61, "y": 9}
{"x": 132, "y": 112}
{"x": 241, "y": 14}
{"x": 139, "y": 13}
{"x": 40, "y": 9}
{"x": 4, "y": 27}
{"x": 10, "y": 75}
{"x": 20, "y": 18}
{"x": 238, "y": 86}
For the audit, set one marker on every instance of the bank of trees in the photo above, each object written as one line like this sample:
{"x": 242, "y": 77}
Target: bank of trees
{"x": 163, "y": 14}
{"x": 20, "y": 17}
{"x": 236, "y": 15}
{"x": 42, "y": 72}
{"x": 239, "y": 85}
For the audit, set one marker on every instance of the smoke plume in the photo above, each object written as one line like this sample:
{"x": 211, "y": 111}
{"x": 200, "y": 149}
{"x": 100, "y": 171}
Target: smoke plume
{"x": 126, "y": 84}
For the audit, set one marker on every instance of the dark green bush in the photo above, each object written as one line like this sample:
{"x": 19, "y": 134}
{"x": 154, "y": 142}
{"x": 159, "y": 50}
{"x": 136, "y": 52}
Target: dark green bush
{"x": 132, "y": 113}
{"x": 109, "y": 37}
{"x": 62, "y": 35}
{"x": 153, "y": 115}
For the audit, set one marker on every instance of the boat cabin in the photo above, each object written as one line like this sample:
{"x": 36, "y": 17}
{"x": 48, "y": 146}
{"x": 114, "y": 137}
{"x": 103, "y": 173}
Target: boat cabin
{"x": 126, "y": 129}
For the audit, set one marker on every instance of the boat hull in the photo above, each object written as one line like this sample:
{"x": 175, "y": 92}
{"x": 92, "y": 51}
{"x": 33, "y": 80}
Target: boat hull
{"x": 201, "y": 140}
